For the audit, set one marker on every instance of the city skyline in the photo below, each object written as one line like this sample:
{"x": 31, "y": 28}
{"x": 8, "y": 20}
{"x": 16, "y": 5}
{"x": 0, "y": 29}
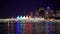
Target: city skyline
{"x": 22, "y": 7}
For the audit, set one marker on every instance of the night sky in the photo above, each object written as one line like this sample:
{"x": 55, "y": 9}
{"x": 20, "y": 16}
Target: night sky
{"x": 13, "y": 8}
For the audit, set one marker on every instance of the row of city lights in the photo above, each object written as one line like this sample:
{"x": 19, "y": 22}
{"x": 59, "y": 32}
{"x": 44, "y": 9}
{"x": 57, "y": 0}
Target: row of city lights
{"x": 23, "y": 17}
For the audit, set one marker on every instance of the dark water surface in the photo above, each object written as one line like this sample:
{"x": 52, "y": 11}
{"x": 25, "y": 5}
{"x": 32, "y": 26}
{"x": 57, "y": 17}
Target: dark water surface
{"x": 35, "y": 28}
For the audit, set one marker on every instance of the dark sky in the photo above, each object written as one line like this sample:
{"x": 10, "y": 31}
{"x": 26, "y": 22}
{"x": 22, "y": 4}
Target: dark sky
{"x": 13, "y": 8}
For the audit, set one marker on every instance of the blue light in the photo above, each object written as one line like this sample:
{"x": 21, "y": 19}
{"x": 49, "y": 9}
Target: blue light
{"x": 48, "y": 8}
{"x": 17, "y": 17}
{"x": 18, "y": 28}
{"x": 48, "y": 28}
{"x": 20, "y": 17}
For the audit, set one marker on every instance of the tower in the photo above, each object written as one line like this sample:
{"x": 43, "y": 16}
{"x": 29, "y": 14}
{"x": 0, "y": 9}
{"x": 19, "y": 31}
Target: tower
{"x": 42, "y": 12}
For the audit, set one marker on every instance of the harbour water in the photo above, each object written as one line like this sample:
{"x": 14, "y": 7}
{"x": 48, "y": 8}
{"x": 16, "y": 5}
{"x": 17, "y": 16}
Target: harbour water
{"x": 30, "y": 28}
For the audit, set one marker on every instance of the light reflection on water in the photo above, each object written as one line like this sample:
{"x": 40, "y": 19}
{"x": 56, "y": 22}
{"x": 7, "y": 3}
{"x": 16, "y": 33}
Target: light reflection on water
{"x": 37, "y": 28}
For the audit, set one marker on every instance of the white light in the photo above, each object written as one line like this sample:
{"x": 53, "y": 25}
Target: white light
{"x": 23, "y": 17}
